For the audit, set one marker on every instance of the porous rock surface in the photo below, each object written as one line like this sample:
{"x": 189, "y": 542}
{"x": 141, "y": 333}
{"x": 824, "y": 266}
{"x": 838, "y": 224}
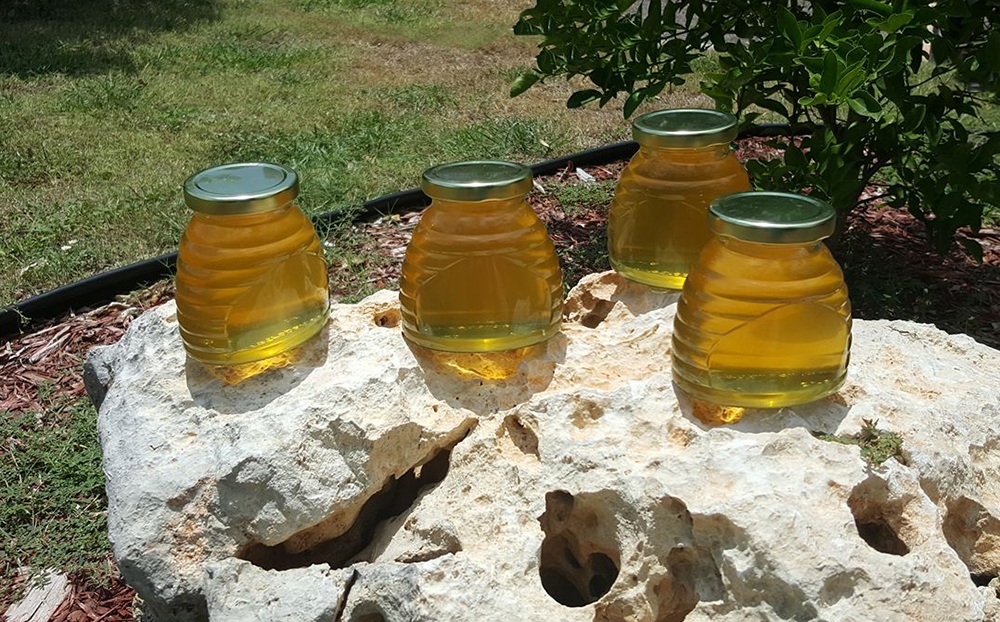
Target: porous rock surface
{"x": 369, "y": 481}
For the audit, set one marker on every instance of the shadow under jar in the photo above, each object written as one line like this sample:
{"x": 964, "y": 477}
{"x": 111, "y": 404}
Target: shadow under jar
{"x": 480, "y": 273}
{"x": 657, "y": 224}
{"x": 251, "y": 278}
{"x": 764, "y": 319}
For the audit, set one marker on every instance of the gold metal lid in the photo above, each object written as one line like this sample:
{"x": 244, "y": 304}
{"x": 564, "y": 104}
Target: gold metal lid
{"x": 684, "y": 128}
{"x": 246, "y": 188}
{"x": 478, "y": 180}
{"x": 772, "y": 217}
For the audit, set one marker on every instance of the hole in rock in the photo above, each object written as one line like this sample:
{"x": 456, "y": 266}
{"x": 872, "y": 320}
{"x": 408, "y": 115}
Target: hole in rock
{"x": 982, "y": 580}
{"x": 693, "y": 576}
{"x": 395, "y": 497}
{"x": 387, "y": 319}
{"x": 579, "y": 558}
{"x": 522, "y": 436}
{"x": 878, "y": 518}
{"x": 880, "y": 536}
{"x": 974, "y": 533}
{"x": 586, "y": 413}
{"x": 371, "y": 616}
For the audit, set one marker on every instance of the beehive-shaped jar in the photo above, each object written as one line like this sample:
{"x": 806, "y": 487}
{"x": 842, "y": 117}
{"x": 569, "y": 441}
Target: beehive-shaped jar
{"x": 251, "y": 278}
{"x": 657, "y": 225}
{"x": 764, "y": 319}
{"x": 480, "y": 273}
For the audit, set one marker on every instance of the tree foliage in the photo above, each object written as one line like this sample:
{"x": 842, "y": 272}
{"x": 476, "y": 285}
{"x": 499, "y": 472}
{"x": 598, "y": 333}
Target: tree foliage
{"x": 889, "y": 88}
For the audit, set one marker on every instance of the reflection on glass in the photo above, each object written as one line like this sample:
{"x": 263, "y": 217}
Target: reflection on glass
{"x": 488, "y": 366}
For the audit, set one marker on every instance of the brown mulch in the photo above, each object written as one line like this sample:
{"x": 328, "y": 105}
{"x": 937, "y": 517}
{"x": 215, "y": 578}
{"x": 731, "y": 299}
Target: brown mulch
{"x": 89, "y": 603}
{"x": 48, "y": 361}
{"x": 110, "y": 601}
{"x": 891, "y": 269}
{"x": 894, "y": 273}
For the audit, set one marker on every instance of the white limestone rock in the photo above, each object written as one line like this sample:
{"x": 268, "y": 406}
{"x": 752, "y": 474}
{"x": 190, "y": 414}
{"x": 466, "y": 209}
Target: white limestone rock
{"x": 238, "y": 591}
{"x": 580, "y": 488}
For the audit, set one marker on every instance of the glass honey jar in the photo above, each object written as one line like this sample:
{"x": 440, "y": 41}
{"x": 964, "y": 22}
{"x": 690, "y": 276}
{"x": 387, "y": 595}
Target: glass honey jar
{"x": 657, "y": 225}
{"x": 480, "y": 273}
{"x": 764, "y": 319}
{"x": 251, "y": 278}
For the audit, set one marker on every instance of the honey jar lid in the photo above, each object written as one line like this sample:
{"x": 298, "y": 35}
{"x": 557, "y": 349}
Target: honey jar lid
{"x": 478, "y": 180}
{"x": 772, "y": 217}
{"x": 246, "y": 188}
{"x": 684, "y": 128}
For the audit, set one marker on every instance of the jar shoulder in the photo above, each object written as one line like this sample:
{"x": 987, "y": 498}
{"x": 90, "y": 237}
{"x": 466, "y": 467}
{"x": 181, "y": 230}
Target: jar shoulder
{"x": 759, "y": 270}
{"x": 258, "y": 235}
{"x": 682, "y": 166}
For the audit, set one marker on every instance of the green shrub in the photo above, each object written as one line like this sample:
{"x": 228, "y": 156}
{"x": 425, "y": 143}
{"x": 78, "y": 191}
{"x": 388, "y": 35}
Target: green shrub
{"x": 860, "y": 72}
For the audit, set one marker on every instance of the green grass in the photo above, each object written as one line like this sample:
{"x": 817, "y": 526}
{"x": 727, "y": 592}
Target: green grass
{"x": 52, "y": 503}
{"x": 577, "y": 197}
{"x": 106, "y": 107}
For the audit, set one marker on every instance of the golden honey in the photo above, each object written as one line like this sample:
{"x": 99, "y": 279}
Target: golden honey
{"x": 764, "y": 318}
{"x": 251, "y": 278}
{"x": 658, "y": 220}
{"x": 480, "y": 273}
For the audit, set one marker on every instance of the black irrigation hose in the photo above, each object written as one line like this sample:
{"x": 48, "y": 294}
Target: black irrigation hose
{"x": 104, "y": 286}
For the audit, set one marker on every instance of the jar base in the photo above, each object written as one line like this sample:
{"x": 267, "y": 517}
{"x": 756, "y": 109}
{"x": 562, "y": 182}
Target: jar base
{"x": 768, "y": 393}
{"x": 653, "y": 278}
{"x": 484, "y": 366}
{"x": 463, "y": 342}
{"x": 302, "y": 333}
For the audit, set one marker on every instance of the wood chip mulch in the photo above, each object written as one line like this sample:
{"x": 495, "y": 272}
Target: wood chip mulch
{"x": 48, "y": 361}
{"x": 90, "y": 603}
{"x": 90, "y": 599}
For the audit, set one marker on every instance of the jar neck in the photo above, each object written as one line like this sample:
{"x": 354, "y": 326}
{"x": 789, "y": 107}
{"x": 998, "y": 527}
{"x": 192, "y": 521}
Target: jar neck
{"x": 694, "y": 154}
{"x": 488, "y": 205}
{"x": 237, "y": 220}
{"x": 770, "y": 251}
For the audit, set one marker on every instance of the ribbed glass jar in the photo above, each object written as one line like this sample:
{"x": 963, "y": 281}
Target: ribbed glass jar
{"x": 764, "y": 319}
{"x": 480, "y": 273}
{"x": 251, "y": 278}
{"x": 657, "y": 225}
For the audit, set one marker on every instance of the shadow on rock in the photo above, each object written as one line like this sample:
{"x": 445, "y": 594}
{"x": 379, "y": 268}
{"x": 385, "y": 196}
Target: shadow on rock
{"x": 244, "y": 388}
{"x": 488, "y": 382}
{"x": 822, "y": 416}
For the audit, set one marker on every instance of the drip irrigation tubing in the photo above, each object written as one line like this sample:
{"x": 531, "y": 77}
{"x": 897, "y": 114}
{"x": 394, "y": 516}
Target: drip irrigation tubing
{"x": 104, "y": 286}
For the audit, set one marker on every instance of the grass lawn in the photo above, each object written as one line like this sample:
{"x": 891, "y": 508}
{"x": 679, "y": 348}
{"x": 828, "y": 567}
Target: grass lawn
{"x": 107, "y": 106}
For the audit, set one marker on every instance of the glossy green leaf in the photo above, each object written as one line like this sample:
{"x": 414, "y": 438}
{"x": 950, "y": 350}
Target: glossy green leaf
{"x": 914, "y": 118}
{"x": 580, "y": 98}
{"x": 896, "y": 21}
{"x": 831, "y": 71}
{"x": 872, "y": 5}
{"x": 633, "y": 102}
{"x": 864, "y": 104}
{"x": 523, "y": 82}
{"x": 789, "y": 27}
